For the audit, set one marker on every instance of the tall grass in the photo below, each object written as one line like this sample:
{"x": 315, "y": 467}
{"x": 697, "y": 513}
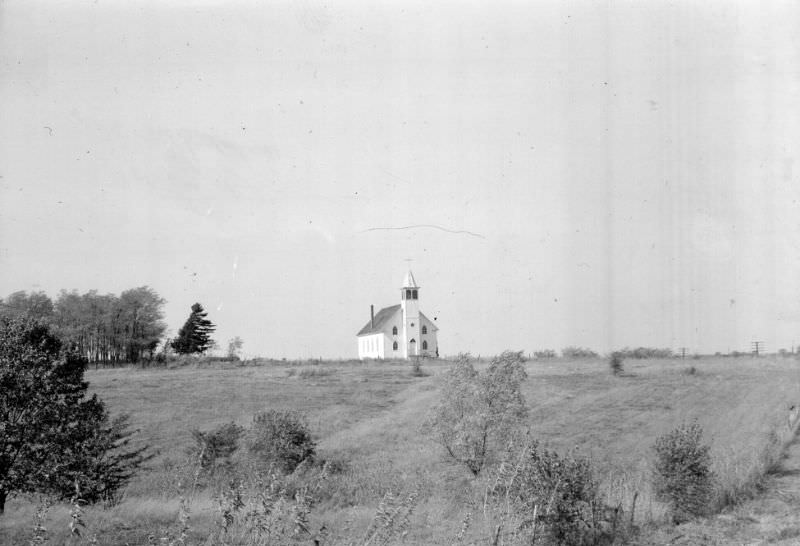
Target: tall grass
{"x": 366, "y": 419}
{"x": 311, "y": 372}
{"x": 743, "y": 477}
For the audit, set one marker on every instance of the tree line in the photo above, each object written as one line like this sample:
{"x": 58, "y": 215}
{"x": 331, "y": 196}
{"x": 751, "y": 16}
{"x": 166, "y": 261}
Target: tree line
{"x": 103, "y": 328}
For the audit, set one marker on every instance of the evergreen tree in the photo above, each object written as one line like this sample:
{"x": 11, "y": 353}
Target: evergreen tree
{"x": 195, "y": 335}
{"x": 52, "y": 435}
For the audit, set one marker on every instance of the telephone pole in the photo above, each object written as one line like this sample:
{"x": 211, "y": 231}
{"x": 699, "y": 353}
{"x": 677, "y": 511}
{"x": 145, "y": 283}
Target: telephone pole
{"x": 758, "y": 347}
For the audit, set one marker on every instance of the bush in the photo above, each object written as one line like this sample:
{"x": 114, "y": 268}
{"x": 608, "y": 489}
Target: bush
{"x": 214, "y": 448}
{"x": 615, "y": 362}
{"x": 544, "y": 354}
{"x": 645, "y": 352}
{"x": 578, "y": 352}
{"x": 477, "y": 413}
{"x": 682, "y": 472}
{"x": 554, "y": 495}
{"x": 281, "y": 438}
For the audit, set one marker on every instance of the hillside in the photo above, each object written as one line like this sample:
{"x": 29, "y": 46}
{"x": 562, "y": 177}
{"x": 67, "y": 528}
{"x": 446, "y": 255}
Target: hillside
{"x": 367, "y": 417}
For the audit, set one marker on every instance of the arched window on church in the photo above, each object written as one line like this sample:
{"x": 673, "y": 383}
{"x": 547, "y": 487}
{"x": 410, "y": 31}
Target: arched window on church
{"x": 394, "y": 331}
{"x": 414, "y": 294}
{"x": 424, "y": 345}
{"x": 394, "y": 346}
{"x": 424, "y": 329}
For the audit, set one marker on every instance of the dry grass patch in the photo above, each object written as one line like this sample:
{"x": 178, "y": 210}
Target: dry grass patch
{"x": 369, "y": 415}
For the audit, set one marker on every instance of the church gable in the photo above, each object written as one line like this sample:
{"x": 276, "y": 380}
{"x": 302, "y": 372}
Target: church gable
{"x": 430, "y": 325}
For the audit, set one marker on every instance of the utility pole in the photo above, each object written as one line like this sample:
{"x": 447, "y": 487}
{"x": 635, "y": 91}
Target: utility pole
{"x": 758, "y": 347}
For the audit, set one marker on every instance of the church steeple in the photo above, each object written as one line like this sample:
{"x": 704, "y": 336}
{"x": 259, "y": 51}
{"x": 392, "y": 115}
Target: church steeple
{"x": 409, "y": 303}
{"x": 410, "y": 290}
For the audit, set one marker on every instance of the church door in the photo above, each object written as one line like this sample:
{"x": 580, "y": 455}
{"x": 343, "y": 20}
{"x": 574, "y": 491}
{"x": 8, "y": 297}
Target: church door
{"x": 412, "y": 347}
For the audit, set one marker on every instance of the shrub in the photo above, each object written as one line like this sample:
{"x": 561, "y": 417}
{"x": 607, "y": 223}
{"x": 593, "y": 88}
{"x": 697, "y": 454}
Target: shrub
{"x": 282, "y": 438}
{"x": 214, "y": 448}
{"x": 682, "y": 472}
{"x": 578, "y": 352}
{"x": 554, "y": 495}
{"x": 645, "y": 352}
{"x": 546, "y": 353}
{"x": 477, "y": 413}
{"x": 615, "y": 362}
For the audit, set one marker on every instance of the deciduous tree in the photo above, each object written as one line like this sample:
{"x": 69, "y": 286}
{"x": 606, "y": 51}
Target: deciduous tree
{"x": 478, "y": 413}
{"x": 36, "y": 305}
{"x": 234, "y": 347}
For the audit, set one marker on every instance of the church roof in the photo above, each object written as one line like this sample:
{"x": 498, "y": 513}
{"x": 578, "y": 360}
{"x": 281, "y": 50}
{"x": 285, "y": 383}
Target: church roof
{"x": 409, "y": 281}
{"x": 381, "y": 318}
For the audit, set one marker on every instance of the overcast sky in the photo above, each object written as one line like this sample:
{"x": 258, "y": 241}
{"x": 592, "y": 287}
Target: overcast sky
{"x": 598, "y": 174}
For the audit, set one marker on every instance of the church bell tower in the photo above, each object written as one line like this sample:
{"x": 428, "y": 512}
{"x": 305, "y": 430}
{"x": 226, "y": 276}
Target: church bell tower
{"x": 409, "y": 303}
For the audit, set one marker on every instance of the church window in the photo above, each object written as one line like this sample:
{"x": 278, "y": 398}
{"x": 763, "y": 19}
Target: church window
{"x": 424, "y": 345}
{"x": 414, "y": 294}
{"x": 394, "y": 330}
{"x": 394, "y": 346}
{"x": 408, "y": 294}
{"x": 424, "y": 329}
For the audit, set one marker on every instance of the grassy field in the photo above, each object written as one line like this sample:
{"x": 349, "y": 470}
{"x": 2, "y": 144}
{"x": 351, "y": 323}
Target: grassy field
{"x": 368, "y": 416}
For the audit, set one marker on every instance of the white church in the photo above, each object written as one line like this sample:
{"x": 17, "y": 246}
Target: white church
{"x": 399, "y": 331}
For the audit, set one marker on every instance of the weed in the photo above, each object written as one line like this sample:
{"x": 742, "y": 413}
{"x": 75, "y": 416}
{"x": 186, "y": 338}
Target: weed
{"x": 76, "y": 524}
{"x": 39, "y": 531}
{"x": 215, "y": 447}
{"x": 392, "y": 518}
